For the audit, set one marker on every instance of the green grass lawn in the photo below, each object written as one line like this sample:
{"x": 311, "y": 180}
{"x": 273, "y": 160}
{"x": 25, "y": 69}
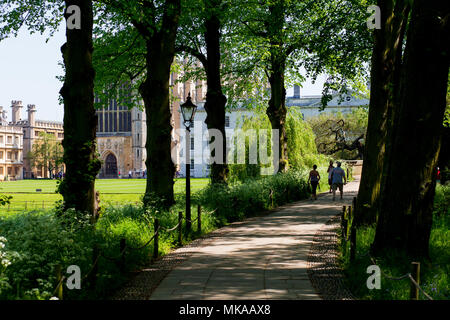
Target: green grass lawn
{"x": 112, "y": 191}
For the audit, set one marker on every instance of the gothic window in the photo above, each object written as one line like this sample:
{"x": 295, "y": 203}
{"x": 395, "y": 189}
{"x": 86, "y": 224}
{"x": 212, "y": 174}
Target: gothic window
{"x": 129, "y": 121}
{"x": 227, "y": 121}
{"x": 107, "y": 122}
{"x": 101, "y": 121}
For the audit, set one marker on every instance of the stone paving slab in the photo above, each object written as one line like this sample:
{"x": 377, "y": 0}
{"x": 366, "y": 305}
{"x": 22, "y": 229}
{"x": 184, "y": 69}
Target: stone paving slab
{"x": 263, "y": 257}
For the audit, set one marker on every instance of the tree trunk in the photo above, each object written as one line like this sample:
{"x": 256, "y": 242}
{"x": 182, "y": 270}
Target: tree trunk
{"x": 215, "y": 99}
{"x": 80, "y": 121}
{"x": 385, "y": 70}
{"x": 277, "y": 112}
{"x": 277, "y": 103}
{"x": 406, "y": 204}
{"x": 155, "y": 93}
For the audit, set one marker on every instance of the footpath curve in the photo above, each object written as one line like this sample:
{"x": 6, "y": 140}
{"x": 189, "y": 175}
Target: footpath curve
{"x": 264, "y": 257}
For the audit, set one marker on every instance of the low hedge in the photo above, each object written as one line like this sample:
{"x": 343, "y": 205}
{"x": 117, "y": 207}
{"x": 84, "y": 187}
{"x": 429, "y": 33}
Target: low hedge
{"x": 237, "y": 201}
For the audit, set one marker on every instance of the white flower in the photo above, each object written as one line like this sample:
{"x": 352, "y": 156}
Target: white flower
{"x": 5, "y": 262}
{"x": 54, "y": 298}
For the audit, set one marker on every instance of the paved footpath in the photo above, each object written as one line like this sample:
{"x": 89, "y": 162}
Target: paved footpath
{"x": 263, "y": 257}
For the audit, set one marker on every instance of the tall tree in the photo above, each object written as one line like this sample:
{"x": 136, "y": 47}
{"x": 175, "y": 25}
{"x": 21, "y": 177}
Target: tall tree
{"x": 80, "y": 121}
{"x": 194, "y": 38}
{"x": 77, "y": 92}
{"x": 384, "y": 88}
{"x": 406, "y": 204}
{"x": 155, "y": 24}
{"x": 285, "y": 35}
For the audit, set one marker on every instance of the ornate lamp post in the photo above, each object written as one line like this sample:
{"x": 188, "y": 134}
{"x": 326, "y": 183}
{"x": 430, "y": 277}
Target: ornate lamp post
{"x": 188, "y": 111}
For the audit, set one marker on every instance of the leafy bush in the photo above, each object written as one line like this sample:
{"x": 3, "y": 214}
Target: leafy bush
{"x": 4, "y": 199}
{"x": 38, "y": 241}
{"x": 42, "y": 243}
{"x": 442, "y": 200}
{"x": 236, "y": 201}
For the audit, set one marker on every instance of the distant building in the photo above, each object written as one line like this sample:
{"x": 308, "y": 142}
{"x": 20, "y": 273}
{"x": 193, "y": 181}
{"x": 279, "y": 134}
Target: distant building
{"x": 309, "y": 106}
{"x": 121, "y": 136}
{"x": 122, "y": 133}
{"x": 11, "y": 149}
{"x": 30, "y": 129}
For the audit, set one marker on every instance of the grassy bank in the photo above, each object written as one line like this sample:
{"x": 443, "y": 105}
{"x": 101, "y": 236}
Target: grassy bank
{"x": 434, "y": 277}
{"x": 36, "y": 242}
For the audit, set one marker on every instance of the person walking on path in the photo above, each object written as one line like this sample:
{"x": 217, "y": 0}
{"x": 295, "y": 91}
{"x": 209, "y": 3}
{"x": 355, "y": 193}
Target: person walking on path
{"x": 337, "y": 174}
{"x": 314, "y": 178}
{"x": 329, "y": 170}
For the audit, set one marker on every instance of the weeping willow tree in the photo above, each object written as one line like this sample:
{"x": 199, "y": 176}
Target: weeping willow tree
{"x": 256, "y": 132}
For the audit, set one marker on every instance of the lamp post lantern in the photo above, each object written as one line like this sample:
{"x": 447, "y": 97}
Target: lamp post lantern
{"x": 188, "y": 111}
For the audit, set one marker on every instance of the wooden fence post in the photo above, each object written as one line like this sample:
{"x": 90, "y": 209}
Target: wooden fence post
{"x": 156, "y": 243}
{"x": 59, "y": 288}
{"x": 344, "y": 209}
{"x": 415, "y": 273}
{"x": 352, "y": 242}
{"x": 199, "y": 221}
{"x": 345, "y": 226}
{"x": 180, "y": 224}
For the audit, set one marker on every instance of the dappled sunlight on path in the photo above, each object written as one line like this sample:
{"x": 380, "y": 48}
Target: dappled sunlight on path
{"x": 263, "y": 257}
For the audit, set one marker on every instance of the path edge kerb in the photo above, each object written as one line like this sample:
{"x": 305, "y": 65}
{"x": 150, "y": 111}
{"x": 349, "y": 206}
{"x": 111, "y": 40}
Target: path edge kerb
{"x": 323, "y": 268}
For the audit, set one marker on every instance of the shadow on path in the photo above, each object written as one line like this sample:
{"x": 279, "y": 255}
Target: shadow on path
{"x": 263, "y": 257}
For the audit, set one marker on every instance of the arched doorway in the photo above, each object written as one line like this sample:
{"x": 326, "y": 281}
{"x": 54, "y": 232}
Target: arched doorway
{"x": 111, "y": 166}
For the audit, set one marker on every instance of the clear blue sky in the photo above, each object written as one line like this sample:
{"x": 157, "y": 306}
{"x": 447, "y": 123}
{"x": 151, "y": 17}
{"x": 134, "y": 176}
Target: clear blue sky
{"x": 28, "y": 70}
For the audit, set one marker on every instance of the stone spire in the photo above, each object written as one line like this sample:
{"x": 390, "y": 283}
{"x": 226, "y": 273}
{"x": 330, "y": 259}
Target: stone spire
{"x": 31, "y": 109}
{"x": 16, "y": 106}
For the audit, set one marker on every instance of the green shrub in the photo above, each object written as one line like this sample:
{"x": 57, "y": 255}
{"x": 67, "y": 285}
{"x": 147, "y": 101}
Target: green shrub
{"x": 42, "y": 243}
{"x": 442, "y": 200}
{"x": 237, "y": 201}
{"x": 38, "y": 241}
